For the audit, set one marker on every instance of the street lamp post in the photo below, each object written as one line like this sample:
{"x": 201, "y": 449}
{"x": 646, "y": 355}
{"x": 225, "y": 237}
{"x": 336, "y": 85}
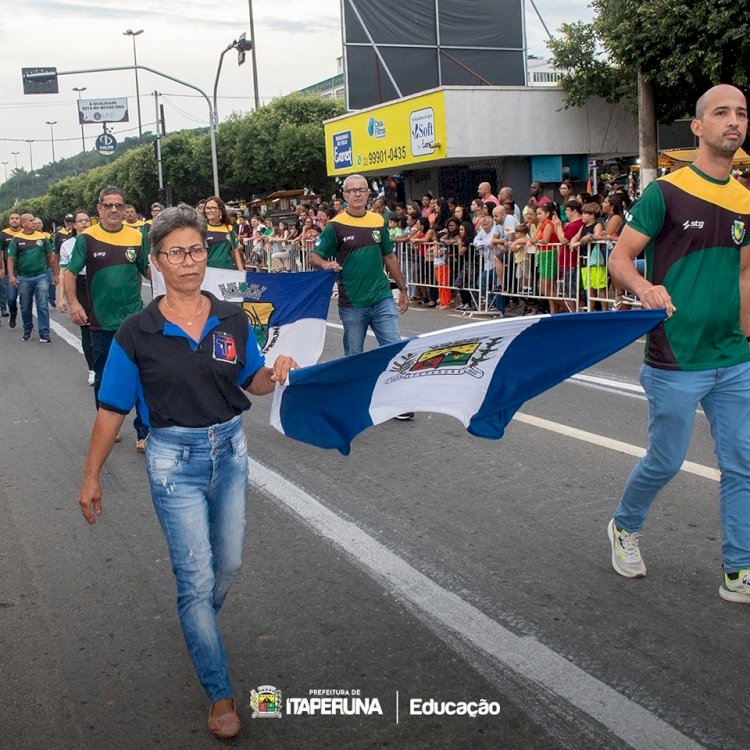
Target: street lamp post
{"x": 52, "y": 138}
{"x": 31, "y": 156}
{"x": 134, "y": 34}
{"x": 83, "y": 142}
{"x": 5, "y": 164}
{"x": 15, "y": 156}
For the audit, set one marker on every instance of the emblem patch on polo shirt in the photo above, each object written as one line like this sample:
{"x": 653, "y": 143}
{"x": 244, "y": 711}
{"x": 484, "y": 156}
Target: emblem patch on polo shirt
{"x": 225, "y": 350}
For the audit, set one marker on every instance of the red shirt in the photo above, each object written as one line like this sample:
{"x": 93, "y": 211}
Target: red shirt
{"x": 568, "y": 256}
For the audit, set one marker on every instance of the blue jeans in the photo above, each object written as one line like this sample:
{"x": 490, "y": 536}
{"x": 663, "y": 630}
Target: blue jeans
{"x": 4, "y": 294}
{"x": 673, "y": 397}
{"x": 198, "y": 480}
{"x": 52, "y": 292}
{"x": 488, "y": 279}
{"x": 382, "y": 317}
{"x": 101, "y": 341}
{"x": 34, "y": 289}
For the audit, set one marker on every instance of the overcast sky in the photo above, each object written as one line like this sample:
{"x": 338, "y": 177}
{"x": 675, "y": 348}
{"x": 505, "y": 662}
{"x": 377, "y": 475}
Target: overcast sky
{"x": 298, "y": 42}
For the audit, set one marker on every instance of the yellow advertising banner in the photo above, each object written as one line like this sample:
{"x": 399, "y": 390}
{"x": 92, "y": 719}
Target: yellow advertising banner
{"x": 388, "y": 138}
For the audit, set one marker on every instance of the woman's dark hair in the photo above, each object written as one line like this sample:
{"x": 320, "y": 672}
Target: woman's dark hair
{"x": 222, "y": 208}
{"x": 170, "y": 219}
{"x": 548, "y": 208}
{"x": 469, "y": 229}
{"x": 586, "y": 198}
{"x": 490, "y": 206}
{"x": 444, "y": 213}
{"x": 615, "y": 201}
{"x": 452, "y": 220}
{"x": 424, "y": 223}
{"x": 625, "y": 197}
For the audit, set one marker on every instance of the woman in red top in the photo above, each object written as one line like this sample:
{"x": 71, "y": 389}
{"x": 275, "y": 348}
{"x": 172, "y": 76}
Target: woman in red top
{"x": 546, "y": 254}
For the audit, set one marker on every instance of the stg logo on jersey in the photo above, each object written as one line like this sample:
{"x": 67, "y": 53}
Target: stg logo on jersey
{"x": 694, "y": 224}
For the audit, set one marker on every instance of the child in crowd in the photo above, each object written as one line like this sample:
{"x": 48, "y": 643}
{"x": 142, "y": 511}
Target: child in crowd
{"x": 519, "y": 248}
{"x": 594, "y": 276}
{"x": 394, "y": 228}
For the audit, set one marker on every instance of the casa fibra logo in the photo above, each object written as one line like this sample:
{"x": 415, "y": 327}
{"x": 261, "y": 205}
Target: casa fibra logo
{"x": 375, "y": 128}
{"x": 342, "y": 150}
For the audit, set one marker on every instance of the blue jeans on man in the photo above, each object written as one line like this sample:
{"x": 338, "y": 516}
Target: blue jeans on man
{"x": 198, "y": 479}
{"x": 487, "y": 280}
{"x": 101, "y": 341}
{"x": 382, "y": 317}
{"x": 673, "y": 397}
{"x": 34, "y": 289}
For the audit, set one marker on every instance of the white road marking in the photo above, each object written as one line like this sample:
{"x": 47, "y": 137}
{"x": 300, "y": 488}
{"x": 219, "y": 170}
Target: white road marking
{"x": 66, "y": 335}
{"x": 707, "y": 472}
{"x": 525, "y": 655}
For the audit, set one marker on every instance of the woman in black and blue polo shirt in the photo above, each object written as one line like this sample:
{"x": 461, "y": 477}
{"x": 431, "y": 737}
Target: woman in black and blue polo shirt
{"x": 186, "y": 359}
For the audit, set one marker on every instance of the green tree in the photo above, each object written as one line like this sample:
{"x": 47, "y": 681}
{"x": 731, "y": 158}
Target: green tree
{"x": 682, "y": 48}
{"x": 666, "y": 52}
{"x": 282, "y": 145}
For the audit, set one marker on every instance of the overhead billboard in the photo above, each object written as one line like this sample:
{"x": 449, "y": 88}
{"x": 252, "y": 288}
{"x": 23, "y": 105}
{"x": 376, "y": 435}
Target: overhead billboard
{"x": 388, "y": 138}
{"x": 393, "y": 49}
{"x": 102, "y": 110}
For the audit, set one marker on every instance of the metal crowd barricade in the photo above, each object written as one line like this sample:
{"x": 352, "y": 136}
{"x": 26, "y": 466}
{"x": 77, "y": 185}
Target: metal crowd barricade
{"x": 277, "y": 255}
{"x": 527, "y": 279}
{"x": 455, "y": 275}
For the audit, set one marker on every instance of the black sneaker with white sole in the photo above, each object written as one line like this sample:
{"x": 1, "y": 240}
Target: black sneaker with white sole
{"x": 405, "y": 417}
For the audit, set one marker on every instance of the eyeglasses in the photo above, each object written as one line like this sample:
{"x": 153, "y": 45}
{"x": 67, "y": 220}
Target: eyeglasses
{"x": 356, "y": 191}
{"x": 176, "y": 255}
{"x": 110, "y": 206}
{"x": 210, "y": 208}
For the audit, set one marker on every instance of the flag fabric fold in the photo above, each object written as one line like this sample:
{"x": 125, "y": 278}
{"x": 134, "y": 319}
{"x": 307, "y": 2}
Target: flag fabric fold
{"x": 479, "y": 373}
{"x": 286, "y": 310}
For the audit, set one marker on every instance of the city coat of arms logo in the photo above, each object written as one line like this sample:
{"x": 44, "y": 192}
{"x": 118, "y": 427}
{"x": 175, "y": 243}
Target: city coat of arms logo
{"x": 130, "y": 255}
{"x": 266, "y": 702}
{"x": 376, "y": 235}
{"x": 738, "y": 232}
{"x": 455, "y": 358}
{"x": 259, "y": 315}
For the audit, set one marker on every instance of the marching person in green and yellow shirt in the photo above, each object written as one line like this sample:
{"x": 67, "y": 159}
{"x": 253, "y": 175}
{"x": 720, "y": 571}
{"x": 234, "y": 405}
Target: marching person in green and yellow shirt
{"x": 30, "y": 256}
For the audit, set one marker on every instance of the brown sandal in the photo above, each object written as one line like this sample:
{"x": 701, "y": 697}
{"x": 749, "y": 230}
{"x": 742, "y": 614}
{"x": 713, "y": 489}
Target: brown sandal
{"x": 223, "y": 721}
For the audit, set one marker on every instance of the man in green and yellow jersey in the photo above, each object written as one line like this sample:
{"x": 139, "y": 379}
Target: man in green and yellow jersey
{"x": 30, "y": 257}
{"x": 9, "y": 294}
{"x": 115, "y": 257}
{"x": 693, "y": 225}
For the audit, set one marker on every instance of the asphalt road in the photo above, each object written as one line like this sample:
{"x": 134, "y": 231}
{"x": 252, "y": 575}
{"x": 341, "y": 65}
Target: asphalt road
{"x": 427, "y": 565}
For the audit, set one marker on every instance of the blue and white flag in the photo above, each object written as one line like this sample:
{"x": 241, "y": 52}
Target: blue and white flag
{"x": 286, "y": 310}
{"x": 480, "y": 373}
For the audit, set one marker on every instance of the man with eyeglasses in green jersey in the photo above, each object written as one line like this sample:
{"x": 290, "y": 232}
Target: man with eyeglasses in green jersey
{"x": 115, "y": 257}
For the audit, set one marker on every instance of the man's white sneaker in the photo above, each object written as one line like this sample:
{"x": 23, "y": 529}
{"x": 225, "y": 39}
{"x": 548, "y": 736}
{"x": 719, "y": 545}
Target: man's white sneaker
{"x": 92, "y": 377}
{"x": 626, "y": 554}
{"x": 736, "y": 587}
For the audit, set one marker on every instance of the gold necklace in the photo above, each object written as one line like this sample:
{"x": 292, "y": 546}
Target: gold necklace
{"x": 188, "y": 321}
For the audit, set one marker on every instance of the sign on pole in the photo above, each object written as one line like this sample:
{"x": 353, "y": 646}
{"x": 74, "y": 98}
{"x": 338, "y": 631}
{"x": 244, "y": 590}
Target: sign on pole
{"x": 102, "y": 110}
{"x": 106, "y": 144}
{"x": 39, "y": 80}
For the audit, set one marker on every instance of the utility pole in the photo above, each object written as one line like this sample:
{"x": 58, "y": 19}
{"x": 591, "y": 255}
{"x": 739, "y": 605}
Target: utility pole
{"x": 52, "y": 138}
{"x": 83, "y": 142}
{"x": 647, "y": 141}
{"x": 252, "y": 52}
{"x": 134, "y": 34}
{"x": 157, "y": 145}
